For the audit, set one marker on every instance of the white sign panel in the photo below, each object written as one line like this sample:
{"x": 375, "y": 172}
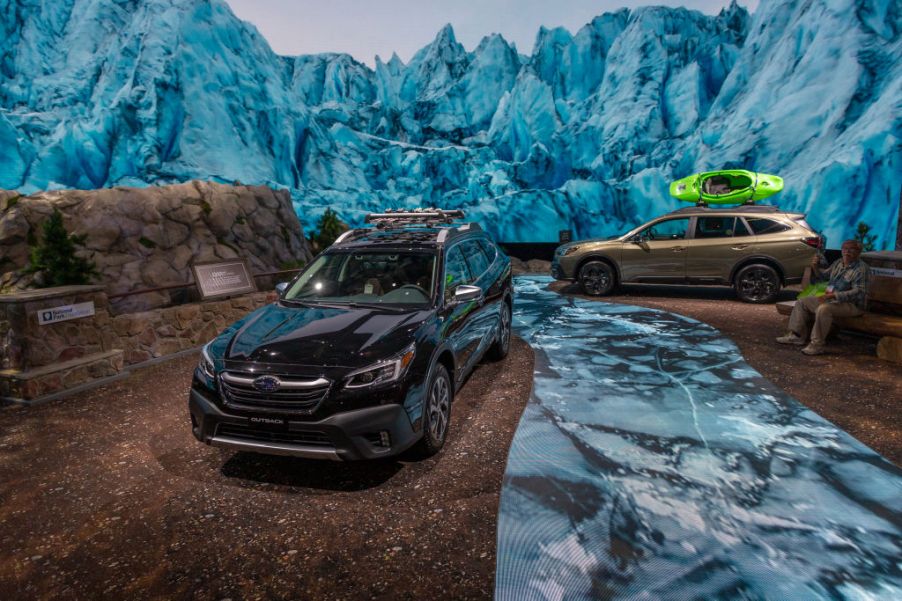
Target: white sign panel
{"x": 220, "y": 279}
{"x": 886, "y": 272}
{"x": 65, "y": 313}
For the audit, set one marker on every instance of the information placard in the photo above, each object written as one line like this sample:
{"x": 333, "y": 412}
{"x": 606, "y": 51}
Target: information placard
{"x": 65, "y": 313}
{"x": 223, "y": 279}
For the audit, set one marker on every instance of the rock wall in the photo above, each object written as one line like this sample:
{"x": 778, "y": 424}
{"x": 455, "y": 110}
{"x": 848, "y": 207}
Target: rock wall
{"x": 153, "y": 334}
{"x": 42, "y": 359}
{"x": 149, "y": 237}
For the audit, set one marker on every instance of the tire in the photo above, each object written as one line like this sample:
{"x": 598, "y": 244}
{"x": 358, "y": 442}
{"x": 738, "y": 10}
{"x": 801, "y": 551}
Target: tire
{"x": 502, "y": 344}
{"x": 757, "y": 283}
{"x": 597, "y": 278}
{"x": 436, "y": 413}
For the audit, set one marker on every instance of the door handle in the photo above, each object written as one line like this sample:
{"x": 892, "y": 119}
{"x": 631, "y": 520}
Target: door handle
{"x": 678, "y": 249}
{"x": 741, "y": 247}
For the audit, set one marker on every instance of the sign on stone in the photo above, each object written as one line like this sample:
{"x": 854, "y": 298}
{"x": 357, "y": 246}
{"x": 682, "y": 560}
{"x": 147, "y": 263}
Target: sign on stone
{"x": 221, "y": 279}
{"x": 65, "y": 313}
{"x": 886, "y": 272}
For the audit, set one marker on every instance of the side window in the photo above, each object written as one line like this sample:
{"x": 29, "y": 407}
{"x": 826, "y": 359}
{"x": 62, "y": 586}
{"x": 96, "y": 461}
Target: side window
{"x": 716, "y": 227}
{"x": 491, "y": 251}
{"x": 671, "y": 229}
{"x": 456, "y": 271}
{"x": 765, "y": 226}
{"x": 741, "y": 228}
{"x": 476, "y": 258}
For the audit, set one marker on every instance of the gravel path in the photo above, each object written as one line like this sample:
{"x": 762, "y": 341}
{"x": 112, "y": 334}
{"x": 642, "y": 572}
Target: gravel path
{"x": 107, "y": 495}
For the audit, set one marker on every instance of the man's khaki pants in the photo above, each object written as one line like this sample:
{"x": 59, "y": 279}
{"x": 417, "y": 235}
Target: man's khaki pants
{"x": 823, "y": 313}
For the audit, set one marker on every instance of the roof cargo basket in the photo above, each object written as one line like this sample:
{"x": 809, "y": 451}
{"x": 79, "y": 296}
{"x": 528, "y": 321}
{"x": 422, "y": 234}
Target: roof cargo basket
{"x": 424, "y": 217}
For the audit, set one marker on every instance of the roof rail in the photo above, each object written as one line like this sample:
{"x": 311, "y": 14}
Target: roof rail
{"x": 349, "y": 235}
{"x": 424, "y": 217}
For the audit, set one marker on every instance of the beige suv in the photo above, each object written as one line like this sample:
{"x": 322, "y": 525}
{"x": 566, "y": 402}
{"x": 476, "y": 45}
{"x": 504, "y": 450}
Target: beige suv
{"x": 755, "y": 249}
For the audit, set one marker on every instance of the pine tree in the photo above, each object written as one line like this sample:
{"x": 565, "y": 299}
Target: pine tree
{"x": 864, "y": 236}
{"x": 53, "y": 257}
{"x": 329, "y": 227}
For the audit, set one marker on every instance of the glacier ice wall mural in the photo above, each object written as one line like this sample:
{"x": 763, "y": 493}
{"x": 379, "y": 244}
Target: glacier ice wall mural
{"x": 584, "y": 133}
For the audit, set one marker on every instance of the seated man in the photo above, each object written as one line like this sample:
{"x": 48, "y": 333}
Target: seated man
{"x": 846, "y": 292}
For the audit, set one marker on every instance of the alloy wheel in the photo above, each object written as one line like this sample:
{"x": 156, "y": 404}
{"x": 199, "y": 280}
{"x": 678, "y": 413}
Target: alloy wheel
{"x": 439, "y": 408}
{"x": 595, "y": 278}
{"x": 758, "y": 284}
{"x": 505, "y": 328}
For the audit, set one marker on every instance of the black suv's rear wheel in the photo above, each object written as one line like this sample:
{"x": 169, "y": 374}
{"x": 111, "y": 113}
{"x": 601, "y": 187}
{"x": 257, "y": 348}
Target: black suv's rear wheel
{"x": 436, "y": 412}
{"x": 502, "y": 345}
{"x": 597, "y": 278}
{"x": 757, "y": 283}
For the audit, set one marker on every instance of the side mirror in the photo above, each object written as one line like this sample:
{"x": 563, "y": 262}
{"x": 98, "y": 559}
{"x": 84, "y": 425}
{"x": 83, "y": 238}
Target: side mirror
{"x": 638, "y": 239}
{"x": 464, "y": 294}
{"x": 281, "y": 287}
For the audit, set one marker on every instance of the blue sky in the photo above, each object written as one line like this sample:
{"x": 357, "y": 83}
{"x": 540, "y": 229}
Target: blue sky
{"x": 365, "y": 28}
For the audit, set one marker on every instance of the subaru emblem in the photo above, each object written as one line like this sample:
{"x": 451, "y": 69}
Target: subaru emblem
{"x": 267, "y": 384}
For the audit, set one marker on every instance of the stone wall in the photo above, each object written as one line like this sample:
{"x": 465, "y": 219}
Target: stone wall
{"x": 37, "y": 360}
{"x": 161, "y": 332}
{"x": 143, "y": 238}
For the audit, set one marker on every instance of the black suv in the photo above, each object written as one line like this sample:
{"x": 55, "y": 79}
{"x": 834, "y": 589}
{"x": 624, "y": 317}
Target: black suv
{"x": 361, "y": 355}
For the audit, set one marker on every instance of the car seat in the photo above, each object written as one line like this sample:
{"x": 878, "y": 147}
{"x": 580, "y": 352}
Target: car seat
{"x": 372, "y": 286}
{"x": 717, "y": 185}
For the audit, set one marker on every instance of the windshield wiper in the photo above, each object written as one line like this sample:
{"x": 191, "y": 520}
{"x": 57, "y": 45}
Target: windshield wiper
{"x": 307, "y": 303}
{"x": 359, "y": 305}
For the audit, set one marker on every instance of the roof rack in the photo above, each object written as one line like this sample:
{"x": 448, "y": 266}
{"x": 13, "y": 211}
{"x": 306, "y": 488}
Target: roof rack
{"x": 746, "y": 208}
{"x": 425, "y": 217}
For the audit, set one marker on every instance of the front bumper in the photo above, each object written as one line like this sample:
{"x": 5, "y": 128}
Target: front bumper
{"x": 346, "y": 436}
{"x": 558, "y": 271}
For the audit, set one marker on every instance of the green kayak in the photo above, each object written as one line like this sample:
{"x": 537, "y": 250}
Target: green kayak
{"x": 731, "y": 186}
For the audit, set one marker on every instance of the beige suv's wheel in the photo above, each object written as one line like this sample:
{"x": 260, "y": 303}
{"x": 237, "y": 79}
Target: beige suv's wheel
{"x": 597, "y": 278}
{"x": 757, "y": 283}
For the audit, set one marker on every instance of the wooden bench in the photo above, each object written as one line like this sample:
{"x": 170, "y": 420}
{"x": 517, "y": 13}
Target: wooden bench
{"x": 884, "y": 319}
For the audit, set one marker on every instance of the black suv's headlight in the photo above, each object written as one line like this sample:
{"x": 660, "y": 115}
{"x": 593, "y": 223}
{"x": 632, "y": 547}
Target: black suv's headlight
{"x": 206, "y": 362}
{"x": 383, "y": 372}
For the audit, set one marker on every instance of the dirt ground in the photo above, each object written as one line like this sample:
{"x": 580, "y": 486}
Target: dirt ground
{"x": 848, "y": 385}
{"x": 107, "y": 495}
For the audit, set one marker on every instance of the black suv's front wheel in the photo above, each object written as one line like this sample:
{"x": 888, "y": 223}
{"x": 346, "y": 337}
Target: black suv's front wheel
{"x": 436, "y": 413}
{"x": 502, "y": 344}
{"x": 597, "y": 278}
{"x": 757, "y": 283}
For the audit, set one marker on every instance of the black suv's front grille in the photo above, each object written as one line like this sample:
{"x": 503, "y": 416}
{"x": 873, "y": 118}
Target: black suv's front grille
{"x": 284, "y": 394}
{"x": 234, "y": 431}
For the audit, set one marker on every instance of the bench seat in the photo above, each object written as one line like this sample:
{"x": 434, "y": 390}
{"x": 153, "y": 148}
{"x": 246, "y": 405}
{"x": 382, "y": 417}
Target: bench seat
{"x": 888, "y": 327}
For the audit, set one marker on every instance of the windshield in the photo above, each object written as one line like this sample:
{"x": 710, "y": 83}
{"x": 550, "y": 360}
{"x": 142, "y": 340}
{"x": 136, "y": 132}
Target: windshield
{"x": 390, "y": 278}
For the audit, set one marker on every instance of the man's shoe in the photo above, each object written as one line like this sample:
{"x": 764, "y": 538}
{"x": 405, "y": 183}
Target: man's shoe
{"x": 791, "y": 338}
{"x": 812, "y": 349}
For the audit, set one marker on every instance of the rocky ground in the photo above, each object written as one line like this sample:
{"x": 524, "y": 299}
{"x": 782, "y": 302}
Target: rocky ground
{"x": 848, "y": 385}
{"x": 107, "y": 495}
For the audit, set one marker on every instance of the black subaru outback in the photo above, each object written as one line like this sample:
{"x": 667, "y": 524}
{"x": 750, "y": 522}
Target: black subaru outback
{"x": 361, "y": 355}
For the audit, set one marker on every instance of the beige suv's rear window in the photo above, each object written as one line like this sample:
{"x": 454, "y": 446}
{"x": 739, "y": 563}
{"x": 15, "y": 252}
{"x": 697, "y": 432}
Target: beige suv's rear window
{"x": 765, "y": 226}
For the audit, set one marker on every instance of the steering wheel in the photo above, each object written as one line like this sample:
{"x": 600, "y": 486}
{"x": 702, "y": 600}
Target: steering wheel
{"x": 650, "y": 234}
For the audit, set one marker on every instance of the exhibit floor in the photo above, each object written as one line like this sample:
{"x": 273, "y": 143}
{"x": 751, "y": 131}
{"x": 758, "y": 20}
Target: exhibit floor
{"x": 618, "y": 481}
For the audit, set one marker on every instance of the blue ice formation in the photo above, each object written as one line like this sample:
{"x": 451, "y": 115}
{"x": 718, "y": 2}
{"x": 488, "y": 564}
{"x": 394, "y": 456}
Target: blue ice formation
{"x": 653, "y": 463}
{"x": 585, "y": 133}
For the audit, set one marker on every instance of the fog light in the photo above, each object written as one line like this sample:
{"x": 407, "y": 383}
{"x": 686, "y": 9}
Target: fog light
{"x": 384, "y": 439}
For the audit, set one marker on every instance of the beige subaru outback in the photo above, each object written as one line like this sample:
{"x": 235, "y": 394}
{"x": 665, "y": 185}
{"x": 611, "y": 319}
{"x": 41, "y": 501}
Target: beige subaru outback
{"x": 755, "y": 249}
